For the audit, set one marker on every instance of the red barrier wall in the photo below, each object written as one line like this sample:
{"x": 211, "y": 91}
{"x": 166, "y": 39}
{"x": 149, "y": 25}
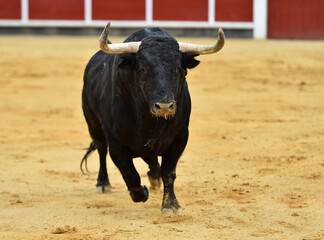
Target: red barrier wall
{"x": 163, "y": 10}
{"x": 10, "y": 9}
{"x": 56, "y": 9}
{"x": 180, "y": 10}
{"x": 118, "y": 10}
{"x": 296, "y": 19}
{"x": 234, "y": 10}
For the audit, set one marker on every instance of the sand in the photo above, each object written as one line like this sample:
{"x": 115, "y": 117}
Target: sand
{"x": 253, "y": 167}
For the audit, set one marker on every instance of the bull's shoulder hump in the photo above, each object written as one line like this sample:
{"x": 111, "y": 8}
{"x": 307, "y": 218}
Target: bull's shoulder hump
{"x": 98, "y": 57}
{"x": 141, "y": 34}
{"x": 97, "y": 62}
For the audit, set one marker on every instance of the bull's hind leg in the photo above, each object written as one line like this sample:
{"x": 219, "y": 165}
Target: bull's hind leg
{"x": 168, "y": 170}
{"x": 154, "y": 175}
{"x": 103, "y": 185}
{"x": 96, "y": 133}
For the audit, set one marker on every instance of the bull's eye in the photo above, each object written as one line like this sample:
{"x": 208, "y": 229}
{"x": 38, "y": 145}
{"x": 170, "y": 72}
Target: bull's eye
{"x": 142, "y": 70}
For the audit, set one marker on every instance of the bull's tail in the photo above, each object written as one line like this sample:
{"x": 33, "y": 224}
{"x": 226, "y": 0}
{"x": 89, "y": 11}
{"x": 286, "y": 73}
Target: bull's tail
{"x": 84, "y": 160}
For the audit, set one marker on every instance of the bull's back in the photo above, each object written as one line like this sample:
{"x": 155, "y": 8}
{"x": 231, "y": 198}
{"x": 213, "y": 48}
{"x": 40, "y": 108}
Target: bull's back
{"x": 93, "y": 82}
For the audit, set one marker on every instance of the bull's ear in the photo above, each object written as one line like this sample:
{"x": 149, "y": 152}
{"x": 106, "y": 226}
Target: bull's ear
{"x": 189, "y": 61}
{"x": 127, "y": 62}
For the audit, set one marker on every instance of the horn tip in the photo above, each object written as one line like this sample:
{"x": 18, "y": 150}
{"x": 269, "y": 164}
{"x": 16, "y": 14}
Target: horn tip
{"x": 221, "y": 33}
{"x": 103, "y": 37}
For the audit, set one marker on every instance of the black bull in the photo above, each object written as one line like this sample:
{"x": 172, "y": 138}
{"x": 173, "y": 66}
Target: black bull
{"x": 137, "y": 102}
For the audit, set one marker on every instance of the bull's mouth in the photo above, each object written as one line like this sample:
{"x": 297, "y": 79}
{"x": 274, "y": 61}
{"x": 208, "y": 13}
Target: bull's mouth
{"x": 164, "y": 110}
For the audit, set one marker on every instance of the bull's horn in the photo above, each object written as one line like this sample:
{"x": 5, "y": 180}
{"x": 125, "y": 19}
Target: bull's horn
{"x": 204, "y": 49}
{"x": 117, "y": 48}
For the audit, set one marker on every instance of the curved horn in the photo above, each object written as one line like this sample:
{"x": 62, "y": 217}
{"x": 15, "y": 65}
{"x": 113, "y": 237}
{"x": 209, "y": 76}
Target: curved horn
{"x": 117, "y": 48}
{"x": 204, "y": 49}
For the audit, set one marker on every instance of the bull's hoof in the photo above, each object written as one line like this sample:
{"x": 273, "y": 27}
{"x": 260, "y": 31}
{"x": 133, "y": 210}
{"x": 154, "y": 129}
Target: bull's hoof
{"x": 169, "y": 211}
{"x": 103, "y": 189}
{"x": 139, "y": 195}
{"x": 170, "y": 205}
{"x": 155, "y": 182}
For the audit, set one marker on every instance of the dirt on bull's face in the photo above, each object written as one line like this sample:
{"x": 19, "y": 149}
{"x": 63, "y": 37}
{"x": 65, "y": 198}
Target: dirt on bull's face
{"x": 253, "y": 166}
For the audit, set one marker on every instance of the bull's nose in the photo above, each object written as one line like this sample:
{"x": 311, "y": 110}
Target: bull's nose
{"x": 165, "y": 110}
{"x": 164, "y": 107}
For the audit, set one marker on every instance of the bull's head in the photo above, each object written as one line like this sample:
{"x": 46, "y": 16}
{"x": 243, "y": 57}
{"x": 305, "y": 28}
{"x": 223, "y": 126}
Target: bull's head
{"x": 160, "y": 66}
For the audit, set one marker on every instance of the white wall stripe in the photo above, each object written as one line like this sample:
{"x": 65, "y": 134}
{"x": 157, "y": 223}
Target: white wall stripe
{"x": 24, "y": 11}
{"x": 88, "y": 11}
{"x": 260, "y": 18}
{"x": 149, "y": 11}
{"x": 127, "y": 24}
{"x": 211, "y": 11}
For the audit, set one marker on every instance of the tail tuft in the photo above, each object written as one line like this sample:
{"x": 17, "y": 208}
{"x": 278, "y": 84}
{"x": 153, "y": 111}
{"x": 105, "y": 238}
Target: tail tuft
{"x": 90, "y": 150}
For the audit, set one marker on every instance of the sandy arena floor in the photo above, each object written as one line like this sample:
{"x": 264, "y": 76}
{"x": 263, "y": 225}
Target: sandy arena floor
{"x": 253, "y": 167}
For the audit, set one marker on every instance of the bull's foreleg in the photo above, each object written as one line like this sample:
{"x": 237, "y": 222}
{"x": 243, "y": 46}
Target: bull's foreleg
{"x": 124, "y": 162}
{"x": 168, "y": 170}
{"x": 170, "y": 203}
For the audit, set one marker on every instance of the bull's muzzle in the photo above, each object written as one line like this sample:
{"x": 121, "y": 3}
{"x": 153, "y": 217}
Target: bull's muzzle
{"x": 165, "y": 110}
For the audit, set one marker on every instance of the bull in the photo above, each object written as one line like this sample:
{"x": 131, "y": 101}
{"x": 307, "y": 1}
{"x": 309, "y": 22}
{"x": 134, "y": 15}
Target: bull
{"x": 135, "y": 100}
